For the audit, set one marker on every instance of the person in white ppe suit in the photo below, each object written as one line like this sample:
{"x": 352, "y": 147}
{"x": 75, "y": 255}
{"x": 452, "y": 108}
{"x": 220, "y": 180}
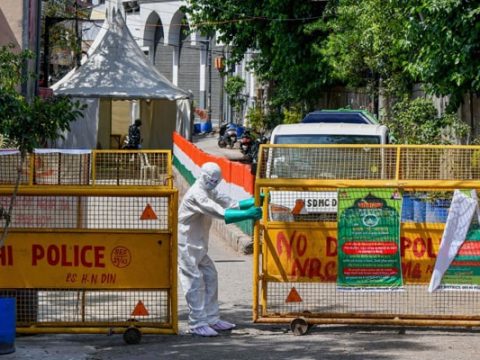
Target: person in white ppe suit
{"x": 197, "y": 272}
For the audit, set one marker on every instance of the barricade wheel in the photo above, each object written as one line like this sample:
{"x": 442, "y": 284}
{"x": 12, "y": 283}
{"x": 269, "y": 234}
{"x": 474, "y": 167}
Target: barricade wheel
{"x": 299, "y": 326}
{"x": 307, "y": 314}
{"x": 132, "y": 335}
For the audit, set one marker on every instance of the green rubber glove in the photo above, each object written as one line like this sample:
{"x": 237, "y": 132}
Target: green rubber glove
{"x": 236, "y": 215}
{"x": 247, "y": 203}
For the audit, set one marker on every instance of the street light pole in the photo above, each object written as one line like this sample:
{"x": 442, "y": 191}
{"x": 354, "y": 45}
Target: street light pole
{"x": 207, "y": 97}
{"x": 221, "y": 68}
{"x": 209, "y": 93}
{"x": 78, "y": 34}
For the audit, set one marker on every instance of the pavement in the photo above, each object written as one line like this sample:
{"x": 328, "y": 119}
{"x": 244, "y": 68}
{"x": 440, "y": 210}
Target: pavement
{"x": 208, "y": 142}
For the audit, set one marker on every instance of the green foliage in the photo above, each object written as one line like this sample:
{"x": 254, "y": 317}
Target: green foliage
{"x": 62, "y": 33}
{"x": 262, "y": 121}
{"x": 293, "y": 115}
{"x": 433, "y": 42}
{"x": 366, "y": 44}
{"x": 24, "y": 124}
{"x": 300, "y": 47}
{"x": 276, "y": 31}
{"x": 11, "y": 65}
{"x": 30, "y": 125}
{"x": 257, "y": 119}
{"x": 446, "y": 51}
{"x": 234, "y": 88}
{"x": 416, "y": 122}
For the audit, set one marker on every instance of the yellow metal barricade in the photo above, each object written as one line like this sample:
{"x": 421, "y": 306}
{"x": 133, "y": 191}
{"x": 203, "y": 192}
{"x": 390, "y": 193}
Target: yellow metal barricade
{"x": 295, "y": 244}
{"x": 92, "y": 246}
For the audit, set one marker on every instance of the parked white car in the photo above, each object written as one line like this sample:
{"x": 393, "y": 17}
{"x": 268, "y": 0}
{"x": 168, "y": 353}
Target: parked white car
{"x": 299, "y": 163}
{"x": 324, "y": 133}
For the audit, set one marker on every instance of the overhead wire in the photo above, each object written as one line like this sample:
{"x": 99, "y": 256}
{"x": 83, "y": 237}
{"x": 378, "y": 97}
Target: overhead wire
{"x": 247, "y": 18}
{"x": 197, "y": 48}
{"x": 136, "y": 22}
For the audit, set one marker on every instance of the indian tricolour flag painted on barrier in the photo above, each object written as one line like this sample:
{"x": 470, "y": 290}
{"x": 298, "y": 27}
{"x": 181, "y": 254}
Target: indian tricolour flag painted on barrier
{"x": 237, "y": 180}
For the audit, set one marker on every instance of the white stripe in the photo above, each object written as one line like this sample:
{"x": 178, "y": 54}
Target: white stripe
{"x": 460, "y": 214}
{"x": 186, "y": 161}
{"x": 235, "y": 191}
{"x": 62, "y": 151}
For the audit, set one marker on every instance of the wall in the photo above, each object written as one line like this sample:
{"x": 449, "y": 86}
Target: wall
{"x": 339, "y": 97}
{"x": 11, "y": 17}
{"x": 237, "y": 182}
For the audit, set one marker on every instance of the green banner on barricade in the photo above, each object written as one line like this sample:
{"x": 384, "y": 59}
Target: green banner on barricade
{"x": 464, "y": 271}
{"x": 369, "y": 239}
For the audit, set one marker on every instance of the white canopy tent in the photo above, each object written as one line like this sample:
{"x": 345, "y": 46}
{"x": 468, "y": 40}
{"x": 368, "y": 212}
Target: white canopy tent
{"x": 117, "y": 70}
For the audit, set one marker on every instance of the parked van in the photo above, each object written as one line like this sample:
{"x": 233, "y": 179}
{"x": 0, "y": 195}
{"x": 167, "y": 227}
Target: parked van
{"x": 308, "y": 163}
{"x": 340, "y": 116}
{"x": 329, "y": 133}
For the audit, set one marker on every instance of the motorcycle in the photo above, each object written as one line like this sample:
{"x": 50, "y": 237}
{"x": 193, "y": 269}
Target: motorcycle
{"x": 227, "y": 135}
{"x": 246, "y": 142}
{"x": 253, "y": 154}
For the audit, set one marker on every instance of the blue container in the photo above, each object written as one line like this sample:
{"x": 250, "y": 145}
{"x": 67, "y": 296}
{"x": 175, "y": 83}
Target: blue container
{"x": 197, "y": 128}
{"x": 419, "y": 210}
{"x": 7, "y": 325}
{"x": 206, "y": 127}
{"x": 407, "y": 208}
{"x": 437, "y": 211}
{"x": 240, "y": 130}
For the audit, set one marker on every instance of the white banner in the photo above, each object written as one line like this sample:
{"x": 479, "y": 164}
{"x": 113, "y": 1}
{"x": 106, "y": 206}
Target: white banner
{"x": 458, "y": 222}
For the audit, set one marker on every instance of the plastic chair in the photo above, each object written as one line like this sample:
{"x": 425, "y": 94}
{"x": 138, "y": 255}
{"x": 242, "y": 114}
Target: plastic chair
{"x": 147, "y": 170}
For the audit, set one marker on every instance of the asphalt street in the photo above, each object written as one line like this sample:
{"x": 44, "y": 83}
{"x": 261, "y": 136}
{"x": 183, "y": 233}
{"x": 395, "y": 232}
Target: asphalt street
{"x": 208, "y": 142}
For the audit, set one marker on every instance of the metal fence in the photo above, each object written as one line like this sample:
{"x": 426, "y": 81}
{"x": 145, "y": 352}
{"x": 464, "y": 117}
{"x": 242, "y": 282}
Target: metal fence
{"x": 85, "y": 167}
{"x": 296, "y": 243}
{"x": 92, "y": 242}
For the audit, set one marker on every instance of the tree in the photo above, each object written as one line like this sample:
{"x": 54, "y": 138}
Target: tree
{"x": 365, "y": 45}
{"x": 276, "y": 32}
{"x": 446, "y": 55}
{"x": 433, "y": 42}
{"x": 61, "y": 28}
{"x": 27, "y": 125}
{"x": 234, "y": 89}
{"x": 301, "y": 47}
{"x": 416, "y": 122}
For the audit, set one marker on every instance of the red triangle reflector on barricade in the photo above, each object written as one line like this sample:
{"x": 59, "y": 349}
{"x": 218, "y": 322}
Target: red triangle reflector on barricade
{"x": 148, "y": 213}
{"x": 293, "y": 296}
{"x": 140, "y": 310}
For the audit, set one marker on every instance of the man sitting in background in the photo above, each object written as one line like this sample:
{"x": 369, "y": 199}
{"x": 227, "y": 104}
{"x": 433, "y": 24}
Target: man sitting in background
{"x": 134, "y": 136}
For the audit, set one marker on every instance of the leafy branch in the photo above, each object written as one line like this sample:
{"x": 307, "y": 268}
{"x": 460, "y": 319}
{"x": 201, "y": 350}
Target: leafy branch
{"x": 26, "y": 125}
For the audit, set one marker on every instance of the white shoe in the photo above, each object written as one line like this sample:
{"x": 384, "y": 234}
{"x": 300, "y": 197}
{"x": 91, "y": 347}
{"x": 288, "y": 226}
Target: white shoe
{"x": 222, "y": 325}
{"x": 203, "y": 331}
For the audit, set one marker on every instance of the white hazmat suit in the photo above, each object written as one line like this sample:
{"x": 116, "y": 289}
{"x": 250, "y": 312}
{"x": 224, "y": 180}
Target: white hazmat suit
{"x": 198, "y": 275}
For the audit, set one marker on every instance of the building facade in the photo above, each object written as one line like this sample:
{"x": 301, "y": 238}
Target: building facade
{"x": 20, "y": 26}
{"x": 186, "y": 58}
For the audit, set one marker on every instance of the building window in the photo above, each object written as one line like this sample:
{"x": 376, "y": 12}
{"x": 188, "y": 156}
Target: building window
{"x": 131, "y": 7}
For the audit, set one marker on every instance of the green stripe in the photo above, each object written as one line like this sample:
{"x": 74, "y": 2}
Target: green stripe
{"x": 187, "y": 174}
{"x": 246, "y": 226}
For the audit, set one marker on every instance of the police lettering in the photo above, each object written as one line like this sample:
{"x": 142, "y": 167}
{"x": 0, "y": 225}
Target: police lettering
{"x": 69, "y": 256}
{"x": 419, "y": 247}
{"x": 6, "y": 256}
